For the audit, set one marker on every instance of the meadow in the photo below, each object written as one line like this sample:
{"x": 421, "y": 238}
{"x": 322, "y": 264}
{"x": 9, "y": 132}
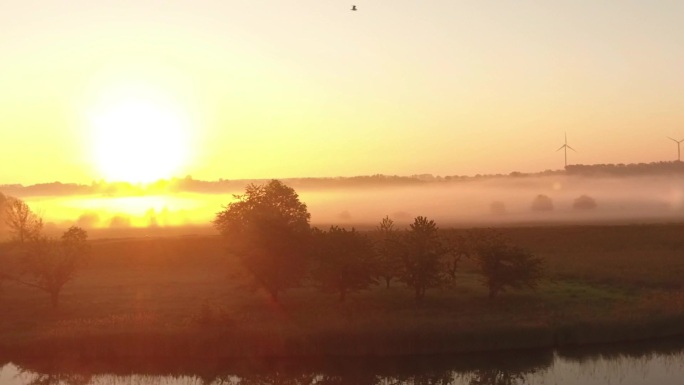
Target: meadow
{"x": 178, "y": 295}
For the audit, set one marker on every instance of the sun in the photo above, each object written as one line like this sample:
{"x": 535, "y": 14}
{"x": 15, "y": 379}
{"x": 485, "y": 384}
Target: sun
{"x": 139, "y": 139}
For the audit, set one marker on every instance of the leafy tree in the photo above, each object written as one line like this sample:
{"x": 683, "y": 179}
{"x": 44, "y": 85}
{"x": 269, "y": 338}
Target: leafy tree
{"x": 267, "y": 228}
{"x": 344, "y": 261}
{"x": 504, "y": 266}
{"x": 422, "y": 257}
{"x": 388, "y": 249}
{"x": 542, "y": 203}
{"x": 23, "y": 223}
{"x": 50, "y": 264}
{"x": 584, "y": 202}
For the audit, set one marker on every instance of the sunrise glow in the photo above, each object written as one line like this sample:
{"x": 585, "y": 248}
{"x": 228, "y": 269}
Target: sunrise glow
{"x": 139, "y": 139}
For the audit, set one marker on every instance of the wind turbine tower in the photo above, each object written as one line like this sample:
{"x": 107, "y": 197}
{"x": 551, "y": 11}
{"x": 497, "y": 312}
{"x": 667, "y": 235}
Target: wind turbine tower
{"x": 678, "y": 147}
{"x": 565, "y": 148}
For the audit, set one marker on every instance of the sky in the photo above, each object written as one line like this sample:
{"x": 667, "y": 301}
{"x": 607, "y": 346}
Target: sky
{"x": 140, "y": 90}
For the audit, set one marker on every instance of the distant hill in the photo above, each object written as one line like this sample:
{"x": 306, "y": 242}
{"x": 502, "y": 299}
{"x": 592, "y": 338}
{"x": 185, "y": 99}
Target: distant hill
{"x": 221, "y": 186}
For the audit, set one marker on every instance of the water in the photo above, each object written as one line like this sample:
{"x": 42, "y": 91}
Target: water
{"x": 661, "y": 364}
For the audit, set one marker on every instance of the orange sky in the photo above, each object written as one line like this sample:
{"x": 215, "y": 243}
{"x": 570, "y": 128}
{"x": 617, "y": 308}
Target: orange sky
{"x": 266, "y": 88}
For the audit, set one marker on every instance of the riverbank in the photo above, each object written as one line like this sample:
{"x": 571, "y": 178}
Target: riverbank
{"x": 177, "y": 297}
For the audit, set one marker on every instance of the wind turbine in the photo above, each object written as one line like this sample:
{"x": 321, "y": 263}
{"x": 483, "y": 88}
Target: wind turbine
{"x": 678, "y": 147}
{"x": 565, "y": 147}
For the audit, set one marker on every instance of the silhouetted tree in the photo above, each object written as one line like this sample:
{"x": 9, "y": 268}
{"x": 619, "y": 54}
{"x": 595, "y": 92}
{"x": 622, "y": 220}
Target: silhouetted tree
{"x": 584, "y": 202}
{"x": 542, "y": 203}
{"x": 23, "y": 223}
{"x": 388, "y": 249}
{"x": 422, "y": 252}
{"x": 503, "y": 265}
{"x": 267, "y": 227}
{"x": 458, "y": 247}
{"x": 50, "y": 264}
{"x": 344, "y": 261}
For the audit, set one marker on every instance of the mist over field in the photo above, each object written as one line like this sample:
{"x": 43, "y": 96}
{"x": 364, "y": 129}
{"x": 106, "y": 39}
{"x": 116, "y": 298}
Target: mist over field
{"x": 479, "y": 202}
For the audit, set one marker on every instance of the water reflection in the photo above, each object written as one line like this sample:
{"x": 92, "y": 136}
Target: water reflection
{"x": 662, "y": 363}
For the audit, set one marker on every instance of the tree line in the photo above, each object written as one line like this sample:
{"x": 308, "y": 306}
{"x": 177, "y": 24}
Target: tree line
{"x": 268, "y": 229}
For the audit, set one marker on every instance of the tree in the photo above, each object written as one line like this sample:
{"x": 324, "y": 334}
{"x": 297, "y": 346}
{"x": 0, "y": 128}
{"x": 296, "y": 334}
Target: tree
{"x": 267, "y": 228}
{"x": 388, "y": 249}
{"x": 50, "y": 264}
{"x": 458, "y": 247}
{"x": 422, "y": 264}
{"x": 344, "y": 261}
{"x": 23, "y": 223}
{"x": 584, "y": 202}
{"x": 542, "y": 203}
{"x": 504, "y": 266}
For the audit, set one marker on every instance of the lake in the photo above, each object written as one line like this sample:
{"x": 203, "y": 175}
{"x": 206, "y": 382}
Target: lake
{"x": 654, "y": 363}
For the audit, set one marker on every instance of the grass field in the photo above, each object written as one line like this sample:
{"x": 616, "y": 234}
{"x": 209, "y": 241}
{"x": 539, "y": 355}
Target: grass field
{"x": 184, "y": 295}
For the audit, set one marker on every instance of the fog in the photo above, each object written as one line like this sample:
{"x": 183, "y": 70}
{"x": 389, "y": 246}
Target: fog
{"x": 507, "y": 200}
{"x": 474, "y": 202}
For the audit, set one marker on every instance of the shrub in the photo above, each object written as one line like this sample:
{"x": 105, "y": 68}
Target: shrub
{"x": 542, "y": 203}
{"x": 584, "y": 202}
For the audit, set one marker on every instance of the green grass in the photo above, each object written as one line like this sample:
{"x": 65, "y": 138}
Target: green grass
{"x": 183, "y": 294}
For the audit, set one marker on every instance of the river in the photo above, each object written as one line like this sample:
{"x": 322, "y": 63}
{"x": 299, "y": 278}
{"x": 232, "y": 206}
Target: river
{"x": 654, "y": 363}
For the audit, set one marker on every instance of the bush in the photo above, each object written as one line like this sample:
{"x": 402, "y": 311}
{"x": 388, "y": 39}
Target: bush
{"x": 542, "y": 203}
{"x": 584, "y": 202}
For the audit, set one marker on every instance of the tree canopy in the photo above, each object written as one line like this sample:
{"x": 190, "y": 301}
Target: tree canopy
{"x": 344, "y": 261}
{"x": 51, "y": 264}
{"x": 422, "y": 257}
{"x": 23, "y": 223}
{"x": 388, "y": 248}
{"x": 503, "y": 265}
{"x": 268, "y": 228}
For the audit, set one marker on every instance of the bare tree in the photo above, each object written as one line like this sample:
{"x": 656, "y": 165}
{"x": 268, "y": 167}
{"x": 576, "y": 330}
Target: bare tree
{"x": 49, "y": 264}
{"x": 23, "y": 223}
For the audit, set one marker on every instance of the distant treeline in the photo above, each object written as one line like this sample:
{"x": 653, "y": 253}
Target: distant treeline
{"x": 620, "y": 169}
{"x": 188, "y": 184}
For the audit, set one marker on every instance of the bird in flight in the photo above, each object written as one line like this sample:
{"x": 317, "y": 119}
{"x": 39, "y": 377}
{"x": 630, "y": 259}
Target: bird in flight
{"x": 353, "y": 8}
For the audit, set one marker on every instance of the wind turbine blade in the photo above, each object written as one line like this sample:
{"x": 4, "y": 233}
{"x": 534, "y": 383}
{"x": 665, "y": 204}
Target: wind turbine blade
{"x": 562, "y": 147}
{"x": 675, "y": 140}
{"x": 572, "y": 149}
